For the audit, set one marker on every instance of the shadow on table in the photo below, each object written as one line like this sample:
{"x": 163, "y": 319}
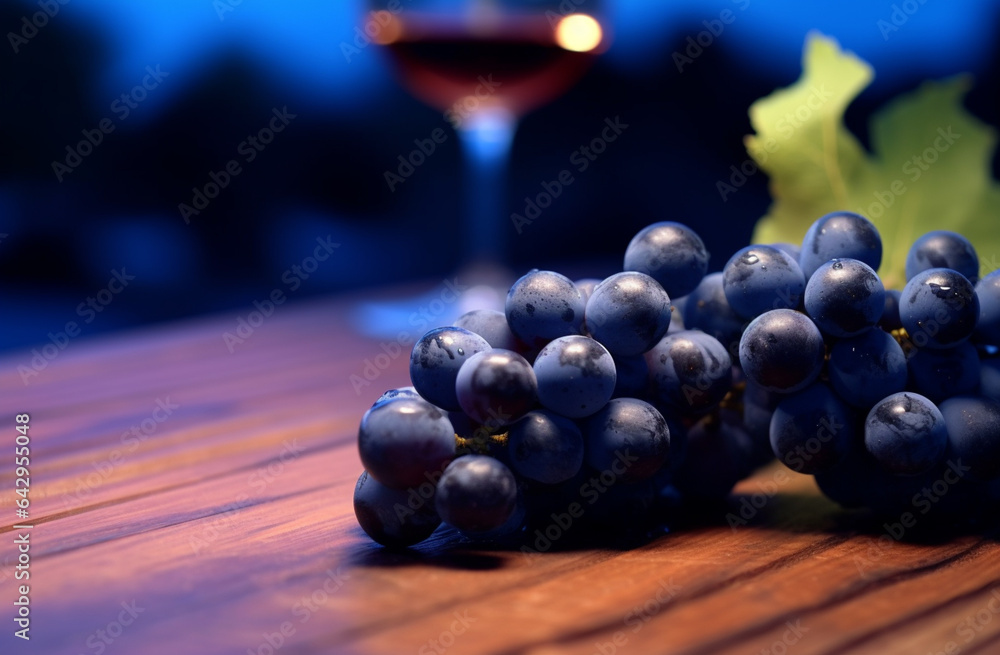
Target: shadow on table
{"x": 926, "y": 519}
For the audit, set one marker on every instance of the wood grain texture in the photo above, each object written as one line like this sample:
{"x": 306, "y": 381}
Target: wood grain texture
{"x": 229, "y": 519}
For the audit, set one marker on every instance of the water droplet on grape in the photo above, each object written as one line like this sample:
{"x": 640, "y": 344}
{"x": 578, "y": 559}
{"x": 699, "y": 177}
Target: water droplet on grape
{"x": 750, "y": 258}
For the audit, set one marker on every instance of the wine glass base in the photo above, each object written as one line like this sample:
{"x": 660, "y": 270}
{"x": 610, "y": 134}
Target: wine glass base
{"x": 481, "y": 285}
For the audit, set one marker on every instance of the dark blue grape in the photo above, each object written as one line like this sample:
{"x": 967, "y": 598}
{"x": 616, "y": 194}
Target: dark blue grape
{"x": 988, "y": 292}
{"x": 576, "y": 376}
{"x": 476, "y": 493}
{"x": 761, "y": 278}
{"x": 716, "y": 459}
{"x": 890, "y": 314}
{"x": 401, "y": 392}
{"x": 545, "y": 447}
{"x": 678, "y": 440}
{"x": 974, "y": 434}
{"x": 812, "y": 430}
{"x": 464, "y": 426}
{"x": 939, "y": 308}
{"x": 670, "y": 253}
{"x": 860, "y": 481}
{"x": 865, "y": 369}
{"x": 631, "y": 376}
{"x": 845, "y": 297}
{"x": 507, "y": 533}
{"x": 906, "y": 434}
{"x": 758, "y": 408}
{"x": 405, "y": 440}
{"x": 942, "y": 249}
{"x": 490, "y": 325}
{"x": 846, "y": 483}
{"x": 792, "y": 249}
{"x": 542, "y": 306}
{"x": 756, "y": 453}
{"x": 436, "y": 359}
{"x": 840, "y": 235}
{"x": 782, "y": 350}
{"x": 708, "y": 310}
{"x": 496, "y": 387}
{"x": 544, "y": 500}
{"x": 394, "y": 517}
{"x": 629, "y": 438}
{"x": 689, "y": 370}
{"x": 628, "y": 313}
{"x": 623, "y": 512}
{"x": 940, "y": 374}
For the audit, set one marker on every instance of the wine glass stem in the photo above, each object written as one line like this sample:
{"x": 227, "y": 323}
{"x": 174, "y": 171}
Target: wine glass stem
{"x": 486, "y": 138}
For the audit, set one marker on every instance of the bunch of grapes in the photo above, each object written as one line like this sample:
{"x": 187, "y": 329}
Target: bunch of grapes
{"x": 599, "y": 403}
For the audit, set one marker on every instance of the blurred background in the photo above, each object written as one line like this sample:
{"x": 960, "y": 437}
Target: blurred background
{"x": 180, "y": 86}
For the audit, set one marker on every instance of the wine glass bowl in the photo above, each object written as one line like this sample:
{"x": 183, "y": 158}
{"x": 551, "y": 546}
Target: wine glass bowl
{"x": 485, "y": 58}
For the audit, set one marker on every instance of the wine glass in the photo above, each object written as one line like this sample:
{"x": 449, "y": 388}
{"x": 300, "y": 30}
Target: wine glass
{"x": 485, "y": 64}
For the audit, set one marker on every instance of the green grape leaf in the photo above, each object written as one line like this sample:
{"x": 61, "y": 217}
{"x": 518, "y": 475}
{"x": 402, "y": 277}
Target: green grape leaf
{"x": 929, "y": 168}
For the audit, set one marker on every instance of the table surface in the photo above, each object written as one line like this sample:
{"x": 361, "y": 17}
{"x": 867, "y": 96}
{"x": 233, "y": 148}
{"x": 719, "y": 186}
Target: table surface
{"x": 189, "y": 499}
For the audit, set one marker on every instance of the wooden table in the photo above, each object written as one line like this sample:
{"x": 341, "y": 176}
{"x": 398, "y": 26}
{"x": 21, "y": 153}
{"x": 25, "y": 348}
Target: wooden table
{"x": 222, "y": 523}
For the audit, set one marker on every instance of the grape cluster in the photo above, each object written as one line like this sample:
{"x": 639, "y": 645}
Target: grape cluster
{"x": 602, "y": 402}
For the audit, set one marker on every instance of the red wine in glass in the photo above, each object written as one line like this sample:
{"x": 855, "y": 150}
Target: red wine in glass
{"x": 518, "y": 62}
